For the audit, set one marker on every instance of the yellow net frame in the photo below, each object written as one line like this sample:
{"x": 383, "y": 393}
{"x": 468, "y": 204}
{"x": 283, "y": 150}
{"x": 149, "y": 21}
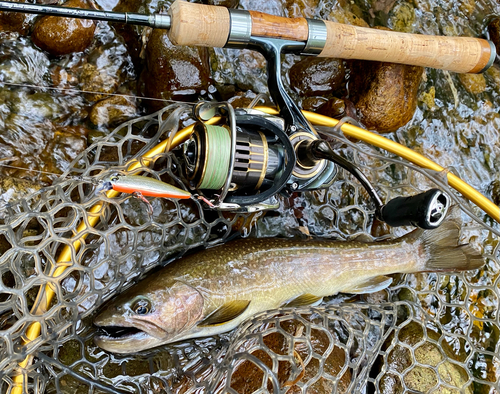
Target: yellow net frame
{"x": 46, "y": 293}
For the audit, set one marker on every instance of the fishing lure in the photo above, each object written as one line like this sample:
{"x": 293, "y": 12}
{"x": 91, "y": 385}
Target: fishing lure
{"x": 141, "y": 186}
{"x": 144, "y": 185}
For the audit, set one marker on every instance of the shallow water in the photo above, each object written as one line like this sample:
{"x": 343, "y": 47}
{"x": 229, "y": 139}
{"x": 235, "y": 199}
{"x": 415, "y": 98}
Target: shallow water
{"x": 46, "y": 129}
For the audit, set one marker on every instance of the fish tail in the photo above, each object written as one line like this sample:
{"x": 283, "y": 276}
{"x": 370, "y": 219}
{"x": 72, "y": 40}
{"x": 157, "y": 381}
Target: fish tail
{"x": 443, "y": 251}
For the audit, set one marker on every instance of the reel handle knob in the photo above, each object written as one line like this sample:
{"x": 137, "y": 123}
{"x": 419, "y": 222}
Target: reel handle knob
{"x": 425, "y": 210}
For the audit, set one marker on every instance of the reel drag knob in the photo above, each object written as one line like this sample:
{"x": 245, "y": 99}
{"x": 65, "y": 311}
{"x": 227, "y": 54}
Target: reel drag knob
{"x": 425, "y": 210}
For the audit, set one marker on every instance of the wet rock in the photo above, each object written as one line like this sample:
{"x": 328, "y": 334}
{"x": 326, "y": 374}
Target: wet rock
{"x": 302, "y": 8}
{"x": 313, "y": 103}
{"x": 473, "y": 83}
{"x": 494, "y": 32}
{"x": 244, "y": 68}
{"x": 94, "y": 79}
{"x": 240, "y": 101}
{"x": 134, "y": 36}
{"x": 112, "y": 111}
{"x": 60, "y": 36}
{"x": 13, "y": 189}
{"x": 314, "y": 76}
{"x": 384, "y": 6}
{"x": 344, "y": 15}
{"x": 67, "y": 142}
{"x": 244, "y": 99}
{"x": 422, "y": 378}
{"x": 494, "y": 73}
{"x": 384, "y": 94}
{"x": 172, "y": 72}
{"x": 62, "y": 78}
{"x": 402, "y": 18}
{"x": 428, "y": 98}
{"x": 15, "y": 21}
{"x": 333, "y": 108}
{"x": 223, "y": 3}
{"x": 467, "y": 7}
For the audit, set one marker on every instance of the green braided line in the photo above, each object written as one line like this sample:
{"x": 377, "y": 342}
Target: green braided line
{"x": 217, "y": 165}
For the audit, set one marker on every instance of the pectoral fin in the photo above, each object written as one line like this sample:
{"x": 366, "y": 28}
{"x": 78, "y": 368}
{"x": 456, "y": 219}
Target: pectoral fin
{"x": 372, "y": 285}
{"x": 302, "y": 300}
{"x": 227, "y": 312}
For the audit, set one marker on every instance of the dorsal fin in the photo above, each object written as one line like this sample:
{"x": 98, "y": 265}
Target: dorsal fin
{"x": 302, "y": 300}
{"x": 227, "y": 312}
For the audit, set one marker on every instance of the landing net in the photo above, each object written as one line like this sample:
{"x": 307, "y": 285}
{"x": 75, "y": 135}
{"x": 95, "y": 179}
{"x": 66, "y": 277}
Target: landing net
{"x": 427, "y": 332}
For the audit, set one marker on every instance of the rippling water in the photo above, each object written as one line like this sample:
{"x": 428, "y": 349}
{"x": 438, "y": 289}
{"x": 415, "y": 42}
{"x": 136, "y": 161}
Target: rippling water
{"x": 458, "y": 127}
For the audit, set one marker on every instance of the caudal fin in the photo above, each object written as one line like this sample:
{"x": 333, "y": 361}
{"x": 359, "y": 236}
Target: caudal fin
{"x": 441, "y": 245}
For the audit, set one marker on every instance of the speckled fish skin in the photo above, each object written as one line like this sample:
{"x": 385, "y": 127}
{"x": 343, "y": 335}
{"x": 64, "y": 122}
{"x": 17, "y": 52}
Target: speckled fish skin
{"x": 268, "y": 272}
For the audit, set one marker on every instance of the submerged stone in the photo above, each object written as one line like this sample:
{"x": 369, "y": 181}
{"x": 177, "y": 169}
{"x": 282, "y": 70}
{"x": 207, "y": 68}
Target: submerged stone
{"x": 112, "y": 111}
{"x": 13, "y": 189}
{"x": 94, "y": 79}
{"x": 61, "y": 36}
{"x": 15, "y": 21}
{"x": 333, "y": 108}
{"x": 473, "y": 83}
{"x": 248, "y": 377}
{"x": 494, "y": 31}
{"x": 173, "y": 72}
{"x": 313, "y": 103}
{"x": 384, "y": 94}
{"x": 314, "y": 76}
{"x": 433, "y": 367}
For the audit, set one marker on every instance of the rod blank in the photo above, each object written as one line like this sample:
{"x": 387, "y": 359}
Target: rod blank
{"x": 156, "y": 20}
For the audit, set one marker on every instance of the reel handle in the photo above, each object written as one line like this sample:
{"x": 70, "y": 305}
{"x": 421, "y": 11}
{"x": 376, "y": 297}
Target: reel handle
{"x": 215, "y": 26}
{"x": 425, "y": 210}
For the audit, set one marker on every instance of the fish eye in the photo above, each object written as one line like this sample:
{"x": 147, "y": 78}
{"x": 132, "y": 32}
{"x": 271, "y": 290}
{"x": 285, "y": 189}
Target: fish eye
{"x": 141, "y": 307}
{"x": 114, "y": 178}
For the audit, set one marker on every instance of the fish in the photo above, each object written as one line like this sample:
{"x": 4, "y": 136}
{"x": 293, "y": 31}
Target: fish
{"x": 215, "y": 290}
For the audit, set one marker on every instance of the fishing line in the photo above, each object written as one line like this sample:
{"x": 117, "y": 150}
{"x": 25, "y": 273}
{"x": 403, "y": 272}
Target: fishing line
{"x": 71, "y": 90}
{"x": 217, "y": 155}
{"x": 60, "y": 177}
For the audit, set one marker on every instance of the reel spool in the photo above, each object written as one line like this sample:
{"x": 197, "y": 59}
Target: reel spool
{"x": 264, "y": 162}
{"x": 207, "y": 156}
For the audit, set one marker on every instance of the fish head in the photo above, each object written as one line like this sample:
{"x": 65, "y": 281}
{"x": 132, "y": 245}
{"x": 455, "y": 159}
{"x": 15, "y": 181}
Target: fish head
{"x": 136, "y": 320}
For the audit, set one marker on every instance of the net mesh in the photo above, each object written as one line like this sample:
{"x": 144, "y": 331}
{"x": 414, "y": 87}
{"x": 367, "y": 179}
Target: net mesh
{"x": 427, "y": 332}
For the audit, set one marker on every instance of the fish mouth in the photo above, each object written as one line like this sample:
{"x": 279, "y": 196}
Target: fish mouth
{"x": 118, "y": 332}
{"x": 124, "y": 340}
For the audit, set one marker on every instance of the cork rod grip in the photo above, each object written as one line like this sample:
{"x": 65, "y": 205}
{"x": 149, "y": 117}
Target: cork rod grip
{"x": 198, "y": 24}
{"x": 205, "y": 25}
{"x": 458, "y": 54}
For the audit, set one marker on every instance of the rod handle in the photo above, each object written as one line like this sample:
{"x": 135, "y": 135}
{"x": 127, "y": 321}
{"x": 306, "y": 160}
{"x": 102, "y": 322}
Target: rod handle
{"x": 205, "y": 25}
{"x": 198, "y": 24}
{"x": 458, "y": 54}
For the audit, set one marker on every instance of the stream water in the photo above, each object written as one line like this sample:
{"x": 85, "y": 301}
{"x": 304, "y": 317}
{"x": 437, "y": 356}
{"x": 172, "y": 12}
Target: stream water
{"x": 46, "y": 121}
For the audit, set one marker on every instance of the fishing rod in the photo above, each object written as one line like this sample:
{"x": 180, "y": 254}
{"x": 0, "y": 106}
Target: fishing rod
{"x": 216, "y": 26}
{"x": 243, "y": 165}
{"x": 295, "y": 157}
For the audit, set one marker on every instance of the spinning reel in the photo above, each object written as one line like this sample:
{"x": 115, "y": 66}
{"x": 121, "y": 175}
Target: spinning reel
{"x": 243, "y": 165}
